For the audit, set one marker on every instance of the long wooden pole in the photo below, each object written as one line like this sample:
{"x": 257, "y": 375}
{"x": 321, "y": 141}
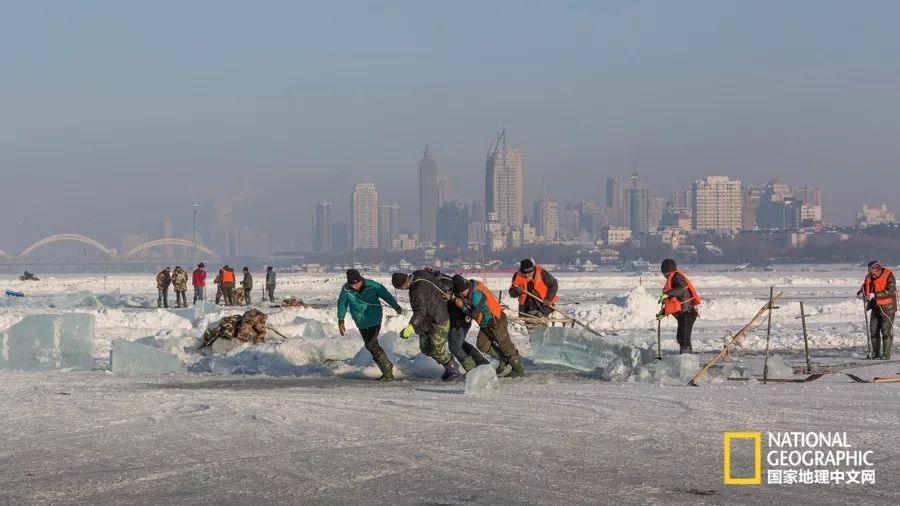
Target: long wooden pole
{"x": 551, "y": 306}
{"x": 768, "y": 335}
{"x": 805, "y": 337}
{"x": 734, "y": 340}
{"x": 659, "y": 339}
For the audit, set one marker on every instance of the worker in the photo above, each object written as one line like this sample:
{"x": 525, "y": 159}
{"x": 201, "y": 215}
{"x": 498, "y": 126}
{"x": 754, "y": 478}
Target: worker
{"x": 680, "y": 299}
{"x": 535, "y": 288}
{"x": 879, "y": 290}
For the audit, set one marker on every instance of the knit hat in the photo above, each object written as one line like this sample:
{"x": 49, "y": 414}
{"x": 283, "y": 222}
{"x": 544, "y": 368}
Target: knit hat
{"x": 200, "y": 265}
{"x": 668, "y": 265}
{"x": 460, "y": 284}
{"x": 874, "y": 263}
{"x": 398, "y": 279}
{"x": 526, "y": 266}
{"x": 353, "y": 276}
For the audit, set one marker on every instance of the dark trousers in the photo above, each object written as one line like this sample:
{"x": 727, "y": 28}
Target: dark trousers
{"x": 180, "y": 298}
{"x": 370, "y": 339}
{"x": 271, "y": 290}
{"x": 198, "y": 293}
{"x": 247, "y": 290}
{"x": 685, "y": 327}
{"x": 456, "y": 340}
{"x": 163, "y": 299}
{"x": 881, "y": 328}
{"x": 228, "y": 293}
{"x": 497, "y": 332}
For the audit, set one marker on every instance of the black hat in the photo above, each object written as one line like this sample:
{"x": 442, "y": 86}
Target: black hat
{"x": 200, "y": 265}
{"x": 398, "y": 279}
{"x": 246, "y": 269}
{"x": 353, "y": 276}
{"x": 668, "y": 265}
{"x": 269, "y": 268}
{"x": 460, "y": 284}
{"x": 873, "y": 263}
{"x": 526, "y": 266}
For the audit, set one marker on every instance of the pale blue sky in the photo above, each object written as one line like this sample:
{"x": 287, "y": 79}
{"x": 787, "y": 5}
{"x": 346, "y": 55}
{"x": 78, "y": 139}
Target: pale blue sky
{"x": 117, "y": 114}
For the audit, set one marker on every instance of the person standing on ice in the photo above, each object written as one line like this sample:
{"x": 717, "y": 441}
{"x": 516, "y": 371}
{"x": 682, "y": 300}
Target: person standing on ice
{"x": 228, "y": 284}
{"x": 475, "y": 299}
{"x": 680, "y": 299}
{"x": 198, "y": 280}
{"x": 163, "y": 280}
{"x": 879, "y": 290}
{"x": 541, "y": 285}
{"x": 247, "y": 285}
{"x": 362, "y": 297}
{"x": 218, "y": 282}
{"x": 429, "y": 319}
{"x": 270, "y": 283}
{"x": 179, "y": 284}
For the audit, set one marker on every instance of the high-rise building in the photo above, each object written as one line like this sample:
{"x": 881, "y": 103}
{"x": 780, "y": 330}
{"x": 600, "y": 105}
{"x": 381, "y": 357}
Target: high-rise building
{"x": 655, "y": 207}
{"x": 340, "y": 236}
{"x": 811, "y": 195}
{"x": 324, "y": 213}
{"x": 246, "y": 242}
{"x": 570, "y": 226}
{"x": 681, "y": 199}
{"x": 428, "y": 196}
{"x": 638, "y": 206}
{"x": 750, "y": 205}
{"x": 443, "y": 190}
{"x": 364, "y": 216}
{"x": 587, "y": 211}
{"x": 504, "y": 183}
{"x": 132, "y": 241}
{"x": 545, "y": 214}
{"x": 717, "y": 204}
{"x": 772, "y": 214}
{"x": 615, "y": 200}
{"x": 453, "y": 225}
{"x": 388, "y": 225}
{"x": 478, "y": 212}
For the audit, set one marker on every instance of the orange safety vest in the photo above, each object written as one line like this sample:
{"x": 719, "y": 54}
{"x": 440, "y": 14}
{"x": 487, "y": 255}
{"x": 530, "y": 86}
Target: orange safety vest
{"x": 880, "y": 286}
{"x": 540, "y": 289}
{"x": 227, "y": 276}
{"x": 492, "y": 303}
{"x": 673, "y": 304}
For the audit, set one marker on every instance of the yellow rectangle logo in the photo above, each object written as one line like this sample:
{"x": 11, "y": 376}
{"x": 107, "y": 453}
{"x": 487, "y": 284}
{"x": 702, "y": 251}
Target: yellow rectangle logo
{"x": 756, "y": 479}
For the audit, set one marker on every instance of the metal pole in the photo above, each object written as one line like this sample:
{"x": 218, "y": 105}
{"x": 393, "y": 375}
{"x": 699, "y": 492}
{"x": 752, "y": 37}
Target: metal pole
{"x": 805, "y": 337}
{"x": 658, "y": 339}
{"x": 768, "y": 334}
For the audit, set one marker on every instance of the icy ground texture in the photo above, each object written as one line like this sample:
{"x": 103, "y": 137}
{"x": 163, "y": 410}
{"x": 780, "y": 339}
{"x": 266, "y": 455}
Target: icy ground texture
{"x": 95, "y": 438}
{"x": 41, "y": 342}
{"x": 621, "y": 306}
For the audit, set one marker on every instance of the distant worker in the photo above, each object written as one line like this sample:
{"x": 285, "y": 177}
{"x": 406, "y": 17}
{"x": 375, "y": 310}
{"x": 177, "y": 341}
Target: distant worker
{"x": 680, "y": 299}
{"x": 179, "y": 284}
{"x": 879, "y": 290}
{"x": 247, "y": 285}
{"x": 429, "y": 319}
{"x": 476, "y": 300}
{"x": 270, "y": 283}
{"x": 535, "y": 288}
{"x": 218, "y": 282}
{"x": 163, "y": 280}
{"x": 228, "y": 284}
{"x": 362, "y": 297}
{"x": 198, "y": 280}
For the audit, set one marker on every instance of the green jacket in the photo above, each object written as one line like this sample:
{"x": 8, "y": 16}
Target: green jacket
{"x": 365, "y": 306}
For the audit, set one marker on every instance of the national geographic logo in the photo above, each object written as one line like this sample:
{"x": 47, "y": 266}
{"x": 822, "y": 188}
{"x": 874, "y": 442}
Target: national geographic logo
{"x": 795, "y": 458}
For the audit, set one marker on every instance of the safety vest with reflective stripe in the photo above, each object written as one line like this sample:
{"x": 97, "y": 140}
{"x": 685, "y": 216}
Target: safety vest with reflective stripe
{"x": 673, "y": 304}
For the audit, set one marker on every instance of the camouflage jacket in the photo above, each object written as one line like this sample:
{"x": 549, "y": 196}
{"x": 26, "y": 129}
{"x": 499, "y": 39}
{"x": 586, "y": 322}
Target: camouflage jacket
{"x": 163, "y": 280}
{"x": 179, "y": 279}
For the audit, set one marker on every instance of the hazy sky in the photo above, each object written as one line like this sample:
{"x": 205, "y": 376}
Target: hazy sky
{"x": 115, "y": 115}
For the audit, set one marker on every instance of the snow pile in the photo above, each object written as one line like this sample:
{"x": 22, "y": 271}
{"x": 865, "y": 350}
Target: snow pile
{"x": 482, "y": 380}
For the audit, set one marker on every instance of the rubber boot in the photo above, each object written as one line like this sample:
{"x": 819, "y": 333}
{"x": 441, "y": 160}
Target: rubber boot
{"x": 468, "y": 364}
{"x": 479, "y": 358}
{"x": 502, "y": 368}
{"x": 876, "y": 347}
{"x": 517, "y": 369}
{"x": 387, "y": 369}
{"x": 887, "y": 348}
{"x": 451, "y": 371}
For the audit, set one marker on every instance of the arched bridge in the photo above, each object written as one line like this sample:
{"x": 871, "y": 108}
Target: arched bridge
{"x": 109, "y": 252}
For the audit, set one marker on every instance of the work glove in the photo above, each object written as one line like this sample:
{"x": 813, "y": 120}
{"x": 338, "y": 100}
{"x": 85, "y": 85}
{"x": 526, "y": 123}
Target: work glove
{"x": 860, "y": 295}
{"x": 870, "y": 297}
{"x": 407, "y": 331}
{"x": 547, "y": 302}
{"x": 515, "y": 291}
{"x": 663, "y": 298}
{"x": 399, "y": 310}
{"x": 341, "y": 327}
{"x": 660, "y": 316}
{"x": 458, "y": 302}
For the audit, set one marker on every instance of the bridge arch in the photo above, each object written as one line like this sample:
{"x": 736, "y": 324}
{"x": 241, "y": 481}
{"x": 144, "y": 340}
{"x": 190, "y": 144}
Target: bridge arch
{"x": 67, "y": 237}
{"x": 169, "y": 242}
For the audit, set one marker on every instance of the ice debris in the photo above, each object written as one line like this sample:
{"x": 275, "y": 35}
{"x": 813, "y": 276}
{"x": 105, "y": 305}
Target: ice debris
{"x": 43, "y": 342}
{"x": 128, "y": 357}
{"x": 481, "y": 381}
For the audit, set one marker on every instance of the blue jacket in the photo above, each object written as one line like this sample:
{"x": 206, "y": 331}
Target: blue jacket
{"x": 365, "y": 306}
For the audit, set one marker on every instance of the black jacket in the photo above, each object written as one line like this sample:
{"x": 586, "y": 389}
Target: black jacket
{"x": 457, "y": 317}
{"x": 428, "y": 305}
